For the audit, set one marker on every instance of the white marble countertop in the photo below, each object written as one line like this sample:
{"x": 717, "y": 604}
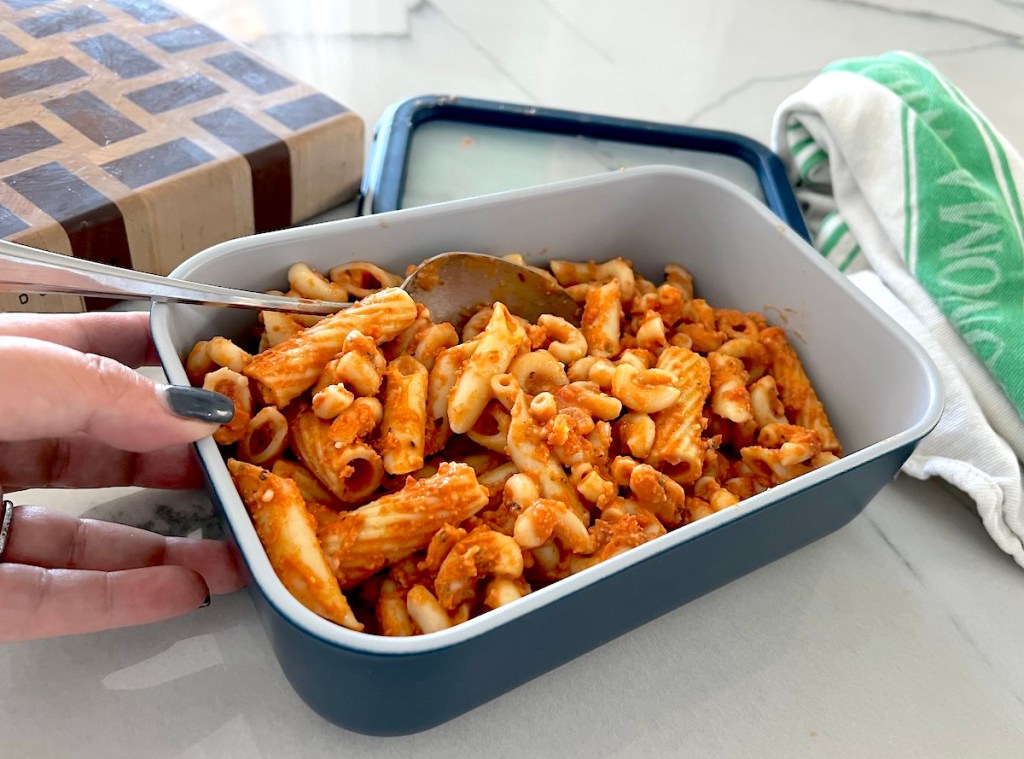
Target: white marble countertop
{"x": 899, "y": 635}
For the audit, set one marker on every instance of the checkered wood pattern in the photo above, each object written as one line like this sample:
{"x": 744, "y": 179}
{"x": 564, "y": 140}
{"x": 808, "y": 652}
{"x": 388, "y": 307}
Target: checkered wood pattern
{"x": 132, "y": 135}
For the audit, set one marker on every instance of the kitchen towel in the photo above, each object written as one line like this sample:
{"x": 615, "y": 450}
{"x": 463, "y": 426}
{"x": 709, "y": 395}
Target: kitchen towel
{"x": 910, "y": 190}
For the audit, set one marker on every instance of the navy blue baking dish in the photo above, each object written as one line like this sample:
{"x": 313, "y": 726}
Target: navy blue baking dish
{"x": 428, "y": 148}
{"x": 881, "y": 391}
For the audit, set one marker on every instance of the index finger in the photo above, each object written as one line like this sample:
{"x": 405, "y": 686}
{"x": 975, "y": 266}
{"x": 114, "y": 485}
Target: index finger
{"x": 121, "y": 335}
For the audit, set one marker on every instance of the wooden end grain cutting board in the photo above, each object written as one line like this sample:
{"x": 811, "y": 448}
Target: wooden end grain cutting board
{"x": 132, "y": 135}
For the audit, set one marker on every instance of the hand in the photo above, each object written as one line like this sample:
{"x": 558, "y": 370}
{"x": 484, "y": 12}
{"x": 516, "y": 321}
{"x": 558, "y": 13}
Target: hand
{"x": 74, "y": 414}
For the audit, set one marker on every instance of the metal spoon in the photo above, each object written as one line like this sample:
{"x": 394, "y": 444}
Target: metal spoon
{"x": 451, "y": 285}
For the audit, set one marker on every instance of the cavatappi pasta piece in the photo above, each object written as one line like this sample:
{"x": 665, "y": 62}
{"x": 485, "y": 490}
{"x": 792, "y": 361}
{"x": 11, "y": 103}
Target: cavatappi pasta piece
{"x": 288, "y": 533}
{"x": 286, "y": 370}
{"x": 403, "y": 429}
{"x": 498, "y": 345}
{"x": 798, "y": 396}
{"x": 396, "y": 525}
{"x": 351, "y": 472}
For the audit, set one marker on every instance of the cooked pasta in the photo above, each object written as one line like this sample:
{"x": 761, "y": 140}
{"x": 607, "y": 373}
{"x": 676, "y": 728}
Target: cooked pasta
{"x": 405, "y": 478}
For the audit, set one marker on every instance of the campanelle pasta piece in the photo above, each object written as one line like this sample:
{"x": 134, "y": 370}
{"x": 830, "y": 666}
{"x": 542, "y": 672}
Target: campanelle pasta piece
{"x": 287, "y": 369}
{"x": 677, "y": 440}
{"x": 351, "y": 472}
{"x": 498, "y": 345}
{"x": 288, "y": 533}
{"x": 798, "y": 395}
{"x": 363, "y": 541}
{"x": 405, "y": 416}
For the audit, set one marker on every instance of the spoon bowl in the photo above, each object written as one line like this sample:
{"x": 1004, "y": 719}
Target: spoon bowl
{"x": 455, "y": 285}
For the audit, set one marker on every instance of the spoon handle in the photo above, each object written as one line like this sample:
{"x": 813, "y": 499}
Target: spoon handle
{"x": 29, "y": 270}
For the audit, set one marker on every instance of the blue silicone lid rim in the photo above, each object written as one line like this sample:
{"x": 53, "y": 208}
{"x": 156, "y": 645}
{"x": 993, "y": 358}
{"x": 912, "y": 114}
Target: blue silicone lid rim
{"x": 384, "y": 180}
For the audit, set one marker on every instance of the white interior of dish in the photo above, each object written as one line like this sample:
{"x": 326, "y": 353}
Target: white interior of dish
{"x": 879, "y": 387}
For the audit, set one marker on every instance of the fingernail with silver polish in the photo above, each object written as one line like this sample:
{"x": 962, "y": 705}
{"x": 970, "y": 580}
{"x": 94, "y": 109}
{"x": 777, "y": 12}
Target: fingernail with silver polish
{"x": 196, "y": 403}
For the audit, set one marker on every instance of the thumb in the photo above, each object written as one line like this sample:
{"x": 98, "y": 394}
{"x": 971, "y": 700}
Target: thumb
{"x": 54, "y": 391}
